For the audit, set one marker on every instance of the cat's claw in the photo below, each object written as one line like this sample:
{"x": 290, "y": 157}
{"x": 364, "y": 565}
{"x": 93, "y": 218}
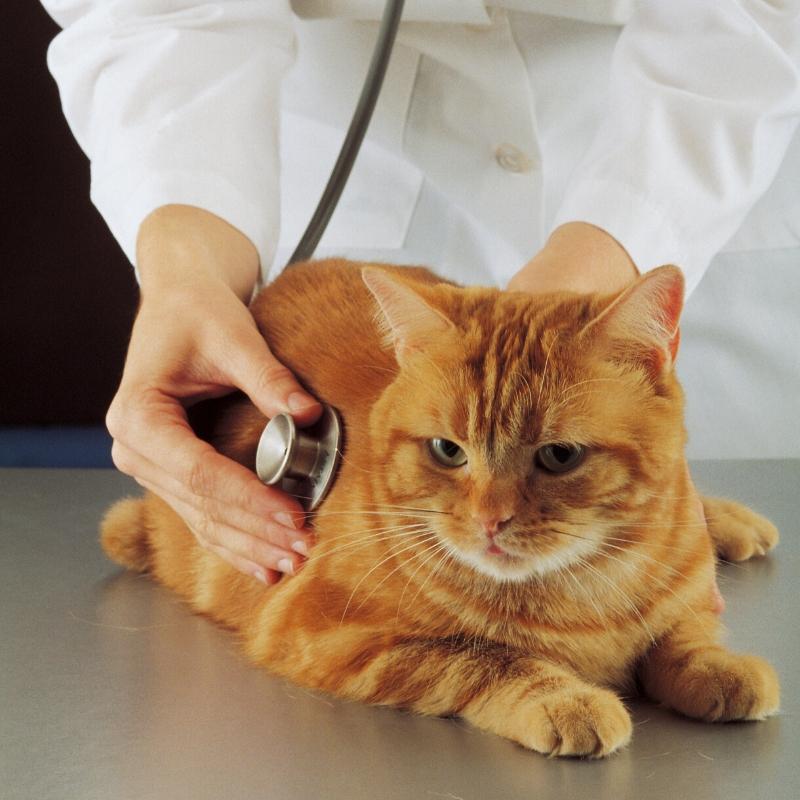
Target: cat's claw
{"x": 589, "y": 722}
{"x": 737, "y": 532}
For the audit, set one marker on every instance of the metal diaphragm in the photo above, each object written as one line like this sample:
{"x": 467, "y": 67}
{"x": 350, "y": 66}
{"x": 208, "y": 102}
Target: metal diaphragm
{"x": 300, "y": 461}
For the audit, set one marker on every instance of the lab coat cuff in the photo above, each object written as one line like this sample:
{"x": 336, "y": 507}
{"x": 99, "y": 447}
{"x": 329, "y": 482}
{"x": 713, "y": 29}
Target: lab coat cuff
{"x": 638, "y": 223}
{"x": 125, "y": 207}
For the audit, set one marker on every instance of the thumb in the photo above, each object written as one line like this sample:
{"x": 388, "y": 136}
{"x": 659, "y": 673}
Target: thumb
{"x": 271, "y": 386}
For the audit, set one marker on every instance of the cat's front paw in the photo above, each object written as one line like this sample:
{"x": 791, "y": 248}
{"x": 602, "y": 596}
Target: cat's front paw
{"x": 719, "y": 686}
{"x": 738, "y": 532}
{"x": 578, "y": 722}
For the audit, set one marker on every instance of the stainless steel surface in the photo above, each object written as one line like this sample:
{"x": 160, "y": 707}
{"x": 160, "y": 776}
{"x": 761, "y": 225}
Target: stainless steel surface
{"x": 111, "y": 689}
{"x": 303, "y": 461}
{"x": 275, "y": 449}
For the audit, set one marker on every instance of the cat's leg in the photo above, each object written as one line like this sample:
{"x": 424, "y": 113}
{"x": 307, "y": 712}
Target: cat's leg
{"x": 552, "y": 711}
{"x": 528, "y": 700}
{"x": 689, "y": 672}
{"x": 737, "y": 532}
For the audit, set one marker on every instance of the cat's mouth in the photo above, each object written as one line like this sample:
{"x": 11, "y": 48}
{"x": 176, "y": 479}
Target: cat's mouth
{"x": 496, "y": 552}
{"x": 503, "y": 561}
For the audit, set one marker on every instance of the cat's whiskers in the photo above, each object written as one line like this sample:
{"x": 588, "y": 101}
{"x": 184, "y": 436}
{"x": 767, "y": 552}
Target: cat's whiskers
{"x": 655, "y": 578}
{"x": 412, "y": 520}
{"x": 370, "y": 571}
{"x": 623, "y": 523}
{"x": 435, "y": 569}
{"x": 436, "y": 547}
{"x": 568, "y": 533}
{"x": 359, "y": 512}
{"x": 345, "y": 460}
{"x": 443, "y": 546}
{"x": 368, "y": 533}
{"x": 408, "y": 508}
{"x": 628, "y": 601}
{"x": 582, "y": 590}
{"x": 642, "y": 542}
{"x": 634, "y": 551}
{"x": 666, "y": 546}
{"x": 363, "y": 541}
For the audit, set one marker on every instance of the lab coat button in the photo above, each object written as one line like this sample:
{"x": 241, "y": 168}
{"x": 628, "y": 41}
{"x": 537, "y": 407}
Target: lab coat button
{"x": 512, "y": 159}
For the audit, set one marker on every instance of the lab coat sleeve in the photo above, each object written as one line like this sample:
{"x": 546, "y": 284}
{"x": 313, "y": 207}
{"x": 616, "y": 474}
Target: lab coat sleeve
{"x": 704, "y": 101}
{"x": 176, "y": 101}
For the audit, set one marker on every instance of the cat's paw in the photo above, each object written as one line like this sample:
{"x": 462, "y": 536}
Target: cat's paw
{"x": 737, "y": 532}
{"x": 719, "y": 686}
{"x": 578, "y": 722}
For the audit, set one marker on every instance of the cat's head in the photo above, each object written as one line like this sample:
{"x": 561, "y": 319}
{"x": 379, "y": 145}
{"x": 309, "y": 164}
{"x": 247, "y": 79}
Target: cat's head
{"x": 529, "y": 425}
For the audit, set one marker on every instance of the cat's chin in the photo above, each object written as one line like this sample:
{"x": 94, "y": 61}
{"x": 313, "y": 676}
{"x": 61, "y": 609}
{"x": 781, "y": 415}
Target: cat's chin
{"x": 509, "y": 567}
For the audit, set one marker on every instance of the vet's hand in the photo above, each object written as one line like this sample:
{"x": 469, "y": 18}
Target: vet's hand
{"x": 578, "y": 257}
{"x": 195, "y": 339}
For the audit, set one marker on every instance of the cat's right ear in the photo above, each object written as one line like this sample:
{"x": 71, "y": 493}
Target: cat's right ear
{"x": 407, "y": 321}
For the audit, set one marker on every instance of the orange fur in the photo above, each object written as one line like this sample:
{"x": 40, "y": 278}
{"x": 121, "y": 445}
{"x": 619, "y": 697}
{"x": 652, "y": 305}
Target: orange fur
{"x": 605, "y": 573}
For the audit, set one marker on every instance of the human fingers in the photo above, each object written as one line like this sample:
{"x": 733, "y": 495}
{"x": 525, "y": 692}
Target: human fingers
{"x": 191, "y": 471}
{"x": 280, "y": 534}
{"x": 268, "y": 577}
{"x": 249, "y": 554}
{"x": 270, "y": 385}
{"x": 156, "y": 428}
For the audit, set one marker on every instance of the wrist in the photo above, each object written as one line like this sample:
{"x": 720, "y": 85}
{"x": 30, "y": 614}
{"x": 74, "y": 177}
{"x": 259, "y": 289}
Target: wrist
{"x": 578, "y": 257}
{"x": 179, "y": 246}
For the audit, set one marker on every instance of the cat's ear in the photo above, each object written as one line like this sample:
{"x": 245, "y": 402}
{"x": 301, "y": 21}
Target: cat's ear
{"x": 643, "y": 321}
{"x": 408, "y": 322}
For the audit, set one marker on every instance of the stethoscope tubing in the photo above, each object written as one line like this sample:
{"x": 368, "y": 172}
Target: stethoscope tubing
{"x": 362, "y": 115}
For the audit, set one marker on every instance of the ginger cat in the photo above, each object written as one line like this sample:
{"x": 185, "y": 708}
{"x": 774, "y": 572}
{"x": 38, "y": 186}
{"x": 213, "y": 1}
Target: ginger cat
{"x": 512, "y": 535}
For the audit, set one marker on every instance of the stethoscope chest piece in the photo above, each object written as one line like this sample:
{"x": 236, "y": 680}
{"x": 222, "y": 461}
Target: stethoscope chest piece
{"x": 302, "y": 462}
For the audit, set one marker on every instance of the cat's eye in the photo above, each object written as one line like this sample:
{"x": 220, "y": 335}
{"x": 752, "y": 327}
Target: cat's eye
{"x": 447, "y": 453}
{"x": 558, "y": 458}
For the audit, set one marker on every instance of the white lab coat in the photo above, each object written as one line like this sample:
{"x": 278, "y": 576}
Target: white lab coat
{"x": 664, "y": 123}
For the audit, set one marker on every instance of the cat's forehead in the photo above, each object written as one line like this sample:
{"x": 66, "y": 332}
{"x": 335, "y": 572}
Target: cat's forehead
{"x": 516, "y": 362}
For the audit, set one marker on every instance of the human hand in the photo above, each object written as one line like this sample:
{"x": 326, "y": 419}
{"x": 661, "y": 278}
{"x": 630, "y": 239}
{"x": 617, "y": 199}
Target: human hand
{"x": 195, "y": 339}
{"x": 578, "y": 257}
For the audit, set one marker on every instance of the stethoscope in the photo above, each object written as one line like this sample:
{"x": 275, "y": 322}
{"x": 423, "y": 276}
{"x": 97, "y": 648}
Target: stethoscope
{"x": 303, "y": 462}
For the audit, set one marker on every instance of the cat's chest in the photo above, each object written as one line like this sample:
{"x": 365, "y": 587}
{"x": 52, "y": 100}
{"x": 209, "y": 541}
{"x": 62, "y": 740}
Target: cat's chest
{"x": 600, "y": 652}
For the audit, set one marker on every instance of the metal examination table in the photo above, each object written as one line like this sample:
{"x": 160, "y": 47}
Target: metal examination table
{"x": 110, "y": 689}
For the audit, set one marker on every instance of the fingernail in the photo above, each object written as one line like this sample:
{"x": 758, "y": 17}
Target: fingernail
{"x": 297, "y": 401}
{"x": 260, "y": 576}
{"x": 300, "y": 547}
{"x": 287, "y": 520}
{"x": 285, "y": 565}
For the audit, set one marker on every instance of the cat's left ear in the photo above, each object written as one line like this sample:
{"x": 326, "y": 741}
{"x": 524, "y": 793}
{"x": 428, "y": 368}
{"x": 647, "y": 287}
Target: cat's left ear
{"x": 407, "y": 320}
{"x": 643, "y": 321}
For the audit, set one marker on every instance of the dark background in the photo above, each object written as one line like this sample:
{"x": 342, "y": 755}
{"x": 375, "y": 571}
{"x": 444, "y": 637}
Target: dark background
{"x": 67, "y": 292}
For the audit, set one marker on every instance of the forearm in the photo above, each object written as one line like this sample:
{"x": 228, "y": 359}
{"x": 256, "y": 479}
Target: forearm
{"x": 180, "y": 245}
{"x": 578, "y": 257}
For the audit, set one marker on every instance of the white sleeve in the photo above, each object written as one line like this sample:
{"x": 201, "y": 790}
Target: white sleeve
{"x": 704, "y": 101}
{"x": 176, "y": 101}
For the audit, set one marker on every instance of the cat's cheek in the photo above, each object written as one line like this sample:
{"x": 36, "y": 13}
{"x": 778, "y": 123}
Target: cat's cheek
{"x": 405, "y": 477}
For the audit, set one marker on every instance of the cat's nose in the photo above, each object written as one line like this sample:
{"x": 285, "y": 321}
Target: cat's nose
{"x": 492, "y": 524}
